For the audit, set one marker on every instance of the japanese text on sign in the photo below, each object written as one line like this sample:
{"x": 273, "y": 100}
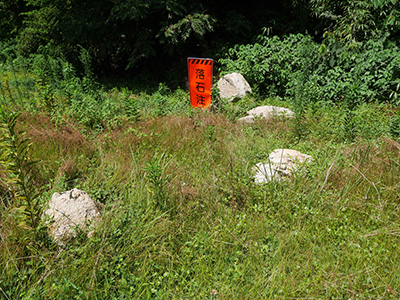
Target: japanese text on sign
{"x": 200, "y": 81}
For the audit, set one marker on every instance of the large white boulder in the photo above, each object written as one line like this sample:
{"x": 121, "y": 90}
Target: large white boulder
{"x": 281, "y": 163}
{"x": 266, "y": 112}
{"x": 233, "y": 86}
{"x": 69, "y": 211}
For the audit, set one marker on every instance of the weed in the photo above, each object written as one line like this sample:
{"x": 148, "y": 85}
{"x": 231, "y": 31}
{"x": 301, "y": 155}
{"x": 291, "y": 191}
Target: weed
{"x": 21, "y": 169}
{"x": 155, "y": 173}
{"x": 210, "y": 133}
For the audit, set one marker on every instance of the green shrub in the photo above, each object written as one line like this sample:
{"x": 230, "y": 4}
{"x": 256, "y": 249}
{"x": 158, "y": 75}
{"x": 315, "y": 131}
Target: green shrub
{"x": 394, "y": 125}
{"x": 269, "y": 63}
{"x": 364, "y": 72}
{"x": 331, "y": 72}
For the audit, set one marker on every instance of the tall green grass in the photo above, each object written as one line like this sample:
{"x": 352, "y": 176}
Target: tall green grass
{"x": 183, "y": 218}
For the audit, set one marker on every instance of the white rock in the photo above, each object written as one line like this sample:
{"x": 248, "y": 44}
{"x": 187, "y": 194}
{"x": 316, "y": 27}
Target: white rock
{"x": 233, "y": 86}
{"x": 281, "y": 163}
{"x": 263, "y": 172}
{"x": 266, "y": 112}
{"x": 70, "y": 210}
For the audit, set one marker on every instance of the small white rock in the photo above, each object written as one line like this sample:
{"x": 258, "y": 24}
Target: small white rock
{"x": 266, "y": 112}
{"x": 281, "y": 163}
{"x": 69, "y": 210}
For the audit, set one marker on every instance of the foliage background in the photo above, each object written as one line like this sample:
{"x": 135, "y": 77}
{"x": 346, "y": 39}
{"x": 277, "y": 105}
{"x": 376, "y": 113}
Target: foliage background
{"x": 84, "y": 103}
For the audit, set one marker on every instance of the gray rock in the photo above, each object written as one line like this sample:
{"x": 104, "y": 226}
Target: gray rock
{"x": 233, "y": 86}
{"x": 70, "y": 210}
{"x": 266, "y": 112}
{"x": 281, "y": 163}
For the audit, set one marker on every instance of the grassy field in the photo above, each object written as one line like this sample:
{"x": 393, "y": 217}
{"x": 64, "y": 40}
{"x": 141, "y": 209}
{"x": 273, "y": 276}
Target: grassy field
{"x": 183, "y": 218}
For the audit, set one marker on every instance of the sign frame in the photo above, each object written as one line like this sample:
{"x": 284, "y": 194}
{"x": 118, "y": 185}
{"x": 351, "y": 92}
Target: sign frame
{"x": 200, "y": 81}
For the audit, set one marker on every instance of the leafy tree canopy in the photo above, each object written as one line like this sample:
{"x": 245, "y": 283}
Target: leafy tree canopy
{"x": 10, "y": 17}
{"x": 360, "y": 19}
{"x": 122, "y": 34}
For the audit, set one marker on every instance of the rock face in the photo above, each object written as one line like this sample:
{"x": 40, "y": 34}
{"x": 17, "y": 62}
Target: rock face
{"x": 266, "y": 112}
{"x": 70, "y": 210}
{"x": 281, "y": 163}
{"x": 233, "y": 86}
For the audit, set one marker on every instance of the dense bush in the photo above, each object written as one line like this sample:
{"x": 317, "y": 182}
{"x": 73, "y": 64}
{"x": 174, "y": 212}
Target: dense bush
{"x": 364, "y": 72}
{"x": 330, "y": 72}
{"x": 269, "y": 63}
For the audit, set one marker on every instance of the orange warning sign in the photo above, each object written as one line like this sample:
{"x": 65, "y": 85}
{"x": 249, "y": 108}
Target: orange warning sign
{"x": 200, "y": 81}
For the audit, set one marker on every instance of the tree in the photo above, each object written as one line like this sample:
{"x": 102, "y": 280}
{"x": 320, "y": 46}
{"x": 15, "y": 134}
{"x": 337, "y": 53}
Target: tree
{"x": 10, "y": 17}
{"x": 116, "y": 33}
{"x": 358, "y": 20}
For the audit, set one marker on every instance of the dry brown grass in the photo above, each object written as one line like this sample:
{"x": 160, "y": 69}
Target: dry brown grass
{"x": 43, "y": 132}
